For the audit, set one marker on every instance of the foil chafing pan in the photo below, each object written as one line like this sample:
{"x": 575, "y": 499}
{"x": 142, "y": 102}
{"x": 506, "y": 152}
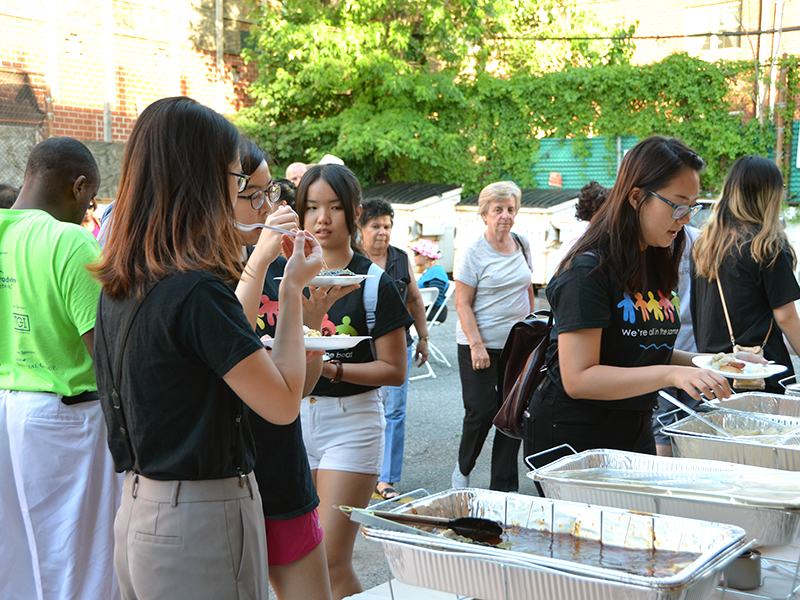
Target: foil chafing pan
{"x": 691, "y": 438}
{"x": 760, "y": 402}
{"x": 763, "y": 502}
{"x": 492, "y": 573}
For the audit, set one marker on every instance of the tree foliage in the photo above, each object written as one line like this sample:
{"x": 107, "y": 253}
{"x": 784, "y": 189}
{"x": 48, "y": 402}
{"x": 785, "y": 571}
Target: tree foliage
{"x": 455, "y": 91}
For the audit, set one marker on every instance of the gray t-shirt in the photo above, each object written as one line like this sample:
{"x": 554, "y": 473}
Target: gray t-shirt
{"x": 501, "y": 285}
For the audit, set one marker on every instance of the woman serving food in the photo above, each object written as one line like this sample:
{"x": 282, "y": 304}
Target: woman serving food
{"x": 616, "y": 314}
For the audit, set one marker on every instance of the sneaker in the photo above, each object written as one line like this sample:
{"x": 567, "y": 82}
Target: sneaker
{"x": 458, "y": 480}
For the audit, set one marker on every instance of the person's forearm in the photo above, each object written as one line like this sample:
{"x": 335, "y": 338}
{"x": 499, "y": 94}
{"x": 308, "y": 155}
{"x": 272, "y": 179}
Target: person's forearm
{"x": 289, "y": 354}
{"x": 313, "y": 373}
{"x": 417, "y": 309}
{"x": 469, "y": 325}
{"x": 602, "y": 382}
{"x": 375, "y": 373}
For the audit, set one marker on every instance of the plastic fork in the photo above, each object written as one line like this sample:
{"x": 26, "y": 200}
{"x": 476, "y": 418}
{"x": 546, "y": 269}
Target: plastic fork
{"x": 253, "y": 226}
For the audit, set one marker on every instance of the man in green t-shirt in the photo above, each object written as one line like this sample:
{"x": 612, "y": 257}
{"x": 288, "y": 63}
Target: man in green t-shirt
{"x": 58, "y": 489}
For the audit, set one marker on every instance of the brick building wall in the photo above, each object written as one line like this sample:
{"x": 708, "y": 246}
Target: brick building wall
{"x": 155, "y": 48}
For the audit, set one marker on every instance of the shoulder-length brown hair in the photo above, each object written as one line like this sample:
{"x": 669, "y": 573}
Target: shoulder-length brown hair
{"x": 173, "y": 211}
{"x": 615, "y": 233}
{"x": 748, "y": 209}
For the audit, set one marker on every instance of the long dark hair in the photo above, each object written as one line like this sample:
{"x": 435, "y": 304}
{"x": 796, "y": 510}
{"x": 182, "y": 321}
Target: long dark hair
{"x": 344, "y": 184}
{"x": 615, "y": 233}
{"x": 251, "y": 156}
{"x": 173, "y": 211}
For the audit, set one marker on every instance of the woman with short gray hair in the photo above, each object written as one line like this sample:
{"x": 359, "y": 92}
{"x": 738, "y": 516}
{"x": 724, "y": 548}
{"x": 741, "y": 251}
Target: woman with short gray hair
{"x": 493, "y": 291}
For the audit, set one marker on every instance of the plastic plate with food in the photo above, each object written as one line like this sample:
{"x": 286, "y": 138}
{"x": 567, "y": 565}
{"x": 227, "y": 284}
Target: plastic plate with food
{"x": 330, "y": 278}
{"x": 728, "y": 365}
{"x": 313, "y": 340}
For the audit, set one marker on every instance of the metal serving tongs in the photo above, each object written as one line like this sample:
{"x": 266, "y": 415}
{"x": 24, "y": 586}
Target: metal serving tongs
{"x": 763, "y": 418}
{"x": 477, "y": 529}
{"x": 695, "y": 414}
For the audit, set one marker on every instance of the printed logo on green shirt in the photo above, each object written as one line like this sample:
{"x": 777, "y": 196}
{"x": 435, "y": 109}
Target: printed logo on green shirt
{"x": 22, "y": 323}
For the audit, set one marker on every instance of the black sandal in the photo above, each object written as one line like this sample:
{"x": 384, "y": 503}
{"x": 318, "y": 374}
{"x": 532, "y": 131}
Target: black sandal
{"x": 387, "y": 493}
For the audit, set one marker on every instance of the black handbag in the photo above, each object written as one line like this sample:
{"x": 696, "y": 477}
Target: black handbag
{"x": 520, "y": 369}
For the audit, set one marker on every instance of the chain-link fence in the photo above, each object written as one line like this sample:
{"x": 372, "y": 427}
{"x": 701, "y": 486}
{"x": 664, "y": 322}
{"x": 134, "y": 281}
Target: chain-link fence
{"x": 22, "y": 122}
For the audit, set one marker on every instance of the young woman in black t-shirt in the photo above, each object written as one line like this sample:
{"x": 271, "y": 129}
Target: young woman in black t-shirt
{"x": 616, "y": 316}
{"x": 297, "y": 564}
{"x": 745, "y": 247}
{"x": 342, "y": 419}
{"x": 177, "y": 360}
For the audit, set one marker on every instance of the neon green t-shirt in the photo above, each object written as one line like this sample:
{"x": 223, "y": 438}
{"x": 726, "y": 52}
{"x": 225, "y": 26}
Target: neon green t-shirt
{"x": 48, "y": 300}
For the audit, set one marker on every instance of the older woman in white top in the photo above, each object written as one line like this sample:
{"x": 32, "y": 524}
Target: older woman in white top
{"x": 493, "y": 291}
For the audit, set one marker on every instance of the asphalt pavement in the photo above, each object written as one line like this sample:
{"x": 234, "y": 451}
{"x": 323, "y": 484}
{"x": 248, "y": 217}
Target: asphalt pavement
{"x": 433, "y": 431}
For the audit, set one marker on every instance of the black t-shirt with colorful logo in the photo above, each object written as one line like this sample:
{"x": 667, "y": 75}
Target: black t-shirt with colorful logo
{"x": 639, "y": 329}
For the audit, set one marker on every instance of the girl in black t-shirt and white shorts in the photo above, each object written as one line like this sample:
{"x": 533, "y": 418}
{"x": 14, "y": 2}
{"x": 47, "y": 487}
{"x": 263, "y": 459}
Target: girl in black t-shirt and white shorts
{"x": 616, "y": 314}
{"x": 343, "y": 418}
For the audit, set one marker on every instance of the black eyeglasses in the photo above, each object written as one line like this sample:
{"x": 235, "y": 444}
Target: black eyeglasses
{"x": 680, "y": 210}
{"x": 272, "y": 193}
{"x": 241, "y": 180}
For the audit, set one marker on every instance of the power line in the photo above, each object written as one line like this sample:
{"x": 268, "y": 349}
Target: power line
{"x": 650, "y": 37}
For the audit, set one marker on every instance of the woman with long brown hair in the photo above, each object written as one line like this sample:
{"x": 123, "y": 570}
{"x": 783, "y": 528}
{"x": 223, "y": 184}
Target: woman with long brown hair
{"x": 744, "y": 251}
{"x": 616, "y": 316}
{"x": 178, "y": 362}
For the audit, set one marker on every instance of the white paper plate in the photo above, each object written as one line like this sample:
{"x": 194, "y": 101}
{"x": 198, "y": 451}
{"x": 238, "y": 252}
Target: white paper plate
{"x": 329, "y": 280}
{"x": 704, "y": 362}
{"x": 331, "y": 342}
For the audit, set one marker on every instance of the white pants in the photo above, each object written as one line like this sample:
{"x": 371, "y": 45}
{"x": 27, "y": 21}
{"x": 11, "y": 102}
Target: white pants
{"x": 58, "y": 497}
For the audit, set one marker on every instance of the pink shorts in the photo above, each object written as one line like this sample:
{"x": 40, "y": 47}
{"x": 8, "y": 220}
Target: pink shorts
{"x": 289, "y": 540}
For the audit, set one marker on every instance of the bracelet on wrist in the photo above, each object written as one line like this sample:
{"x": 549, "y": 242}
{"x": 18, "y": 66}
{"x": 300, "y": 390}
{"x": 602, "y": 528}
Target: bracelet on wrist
{"x": 339, "y": 371}
{"x": 425, "y": 339}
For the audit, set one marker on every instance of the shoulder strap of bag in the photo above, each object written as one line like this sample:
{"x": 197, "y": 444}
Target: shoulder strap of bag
{"x": 728, "y": 319}
{"x": 371, "y": 294}
{"x": 115, "y": 374}
{"x": 522, "y": 247}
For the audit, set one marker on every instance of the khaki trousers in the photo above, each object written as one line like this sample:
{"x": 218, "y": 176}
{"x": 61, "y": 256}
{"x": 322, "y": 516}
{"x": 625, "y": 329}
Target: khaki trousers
{"x": 191, "y": 540}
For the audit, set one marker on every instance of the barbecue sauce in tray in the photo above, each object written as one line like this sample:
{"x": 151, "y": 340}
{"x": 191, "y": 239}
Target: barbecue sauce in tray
{"x": 646, "y": 562}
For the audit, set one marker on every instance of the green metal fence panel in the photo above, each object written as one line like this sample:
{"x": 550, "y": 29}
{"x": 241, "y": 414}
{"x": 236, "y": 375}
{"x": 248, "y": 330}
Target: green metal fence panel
{"x": 580, "y": 161}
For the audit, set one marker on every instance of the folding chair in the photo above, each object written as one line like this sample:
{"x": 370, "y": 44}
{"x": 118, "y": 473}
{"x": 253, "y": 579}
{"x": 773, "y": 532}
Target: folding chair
{"x": 429, "y": 296}
{"x": 433, "y": 350}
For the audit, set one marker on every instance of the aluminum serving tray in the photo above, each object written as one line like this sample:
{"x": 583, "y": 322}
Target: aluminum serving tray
{"x": 760, "y": 402}
{"x": 691, "y": 438}
{"x": 492, "y": 573}
{"x": 764, "y": 502}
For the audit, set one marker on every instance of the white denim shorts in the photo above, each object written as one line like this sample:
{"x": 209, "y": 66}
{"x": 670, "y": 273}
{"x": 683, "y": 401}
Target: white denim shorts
{"x": 344, "y": 434}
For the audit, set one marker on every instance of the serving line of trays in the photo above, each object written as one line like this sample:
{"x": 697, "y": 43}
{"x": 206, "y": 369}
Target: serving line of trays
{"x": 497, "y": 573}
{"x": 764, "y": 502}
{"x": 691, "y": 438}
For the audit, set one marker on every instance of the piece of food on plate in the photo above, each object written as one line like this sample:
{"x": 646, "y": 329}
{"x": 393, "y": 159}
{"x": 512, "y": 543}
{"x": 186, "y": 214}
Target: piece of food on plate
{"x": 731, "y": 364}
{"x": 727, "y": 362}
{"x": 308, "y": 332}
{"x": 335, "y": 273}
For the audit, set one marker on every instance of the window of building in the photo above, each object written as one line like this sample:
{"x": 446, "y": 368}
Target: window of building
{"x": 716, "y": 20}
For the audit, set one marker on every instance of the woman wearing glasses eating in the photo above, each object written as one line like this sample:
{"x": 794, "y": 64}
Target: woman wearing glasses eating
{"x": 616, "y": 313}
{"x": 297, "y": 562}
